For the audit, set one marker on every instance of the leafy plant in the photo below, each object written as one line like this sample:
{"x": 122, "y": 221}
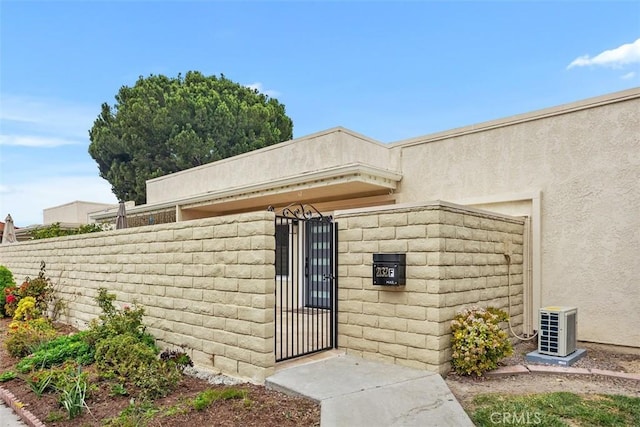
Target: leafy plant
{"x": 118, "y": 390}
{"x": 73, "y": 392}
{"x": 57, "y": 351}
{"x": 7, "y": 376}
{"x": 479, "y": 342}
{"x": 178, "y": 357}
{"x": 24, "y": 337}
{"x": 40, "y": 381}
{"x": 134, "y": 415}
{"x": 6, "y": 281}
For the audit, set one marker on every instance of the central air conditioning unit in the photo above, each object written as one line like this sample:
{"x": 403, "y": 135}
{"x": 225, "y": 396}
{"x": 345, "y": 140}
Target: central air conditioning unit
{"x": 558, "y": 334}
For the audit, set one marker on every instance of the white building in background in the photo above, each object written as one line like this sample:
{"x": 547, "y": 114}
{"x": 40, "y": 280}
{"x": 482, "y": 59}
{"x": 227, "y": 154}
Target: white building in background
{"x": 75, "y": 213}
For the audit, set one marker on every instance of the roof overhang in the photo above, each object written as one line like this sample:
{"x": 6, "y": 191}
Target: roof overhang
{"x": 336, "y": 183}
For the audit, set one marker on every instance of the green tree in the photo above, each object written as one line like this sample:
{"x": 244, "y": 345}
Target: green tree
{"x": 163, "y": 125}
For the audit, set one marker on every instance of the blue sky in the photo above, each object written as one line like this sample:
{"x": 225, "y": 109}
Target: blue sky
{"x": 389, "y": 70}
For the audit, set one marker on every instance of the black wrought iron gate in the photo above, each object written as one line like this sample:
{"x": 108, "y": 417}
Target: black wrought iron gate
{"x": 306, "y": 282}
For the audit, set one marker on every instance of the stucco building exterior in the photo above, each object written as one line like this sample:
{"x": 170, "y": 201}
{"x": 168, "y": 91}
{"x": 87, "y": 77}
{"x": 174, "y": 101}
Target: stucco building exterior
{"x": 571, "y": 172}
{"x": 74, "y": 212}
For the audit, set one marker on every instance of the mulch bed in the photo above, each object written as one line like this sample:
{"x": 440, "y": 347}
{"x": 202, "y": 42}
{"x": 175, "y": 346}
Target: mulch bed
{"x": 262, "y": 407}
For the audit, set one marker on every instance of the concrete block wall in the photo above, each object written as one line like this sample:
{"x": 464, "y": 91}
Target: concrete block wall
{"x": 206, "y": 285}
{"x": 455, "y": 259}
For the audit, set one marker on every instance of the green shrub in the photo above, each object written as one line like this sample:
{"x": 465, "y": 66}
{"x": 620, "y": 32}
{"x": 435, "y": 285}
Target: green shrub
{"x": 478, "y": 341}
{"x": 113, "y": 322}
{"x": 57, "y": 351}
{"x": 122, "y": 356}
{"x": 55, "y": 230}
{"x": 6, "y": 281}
{"x": 157, "y": 380}
{"x": 133, "y": 361}
{"x": 124, "y": 350}
{"x": 24, "y": 337}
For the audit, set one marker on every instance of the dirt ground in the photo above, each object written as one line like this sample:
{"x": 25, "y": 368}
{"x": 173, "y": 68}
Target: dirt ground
{"x": 261, "y": 408}
{"x": 598, "y": 356}
{"x": 265, "y": 407}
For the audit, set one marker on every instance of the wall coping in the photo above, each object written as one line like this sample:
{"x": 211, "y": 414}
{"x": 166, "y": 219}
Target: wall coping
{"x": 202, "y": 222}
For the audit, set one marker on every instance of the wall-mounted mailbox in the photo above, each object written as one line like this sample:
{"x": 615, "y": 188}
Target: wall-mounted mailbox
{"x": 389, "y": 269}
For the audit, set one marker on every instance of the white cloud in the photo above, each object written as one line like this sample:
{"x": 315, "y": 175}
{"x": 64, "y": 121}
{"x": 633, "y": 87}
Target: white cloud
{"x": 50, "y": 116}
{"x": 34, "y": 141}
{"x": 258, "y": 86}
{"x": 618, "y": 57}
{"x": 628, "y": 76}
{"x": 25, "y": 201}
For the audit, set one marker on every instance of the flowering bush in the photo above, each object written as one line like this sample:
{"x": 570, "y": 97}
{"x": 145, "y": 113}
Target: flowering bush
{"x": 11, "y": 297}
{"x": 24, "y": 337}
{"x": 6, "y": 281}
{"x": 39, "y": 288}
{"x": 478, "y": 340}
{"x": 26, "y": 309}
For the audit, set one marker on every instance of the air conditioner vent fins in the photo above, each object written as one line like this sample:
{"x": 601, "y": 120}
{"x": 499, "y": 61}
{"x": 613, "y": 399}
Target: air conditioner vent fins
{"x": 558, "y": 332}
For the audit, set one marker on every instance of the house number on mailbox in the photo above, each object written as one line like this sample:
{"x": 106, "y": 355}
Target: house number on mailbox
{"x": 389, "y": 269}
{"x": 385, "y": 272}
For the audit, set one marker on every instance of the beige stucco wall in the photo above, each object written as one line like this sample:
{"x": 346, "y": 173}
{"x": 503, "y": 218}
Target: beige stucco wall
{"x": 584, "y": 162}
{"x": 206, "y": 285}
{"x": 74, "y": 213}
{"x": 455, "y": 260}
{"x": 324, "y": 150}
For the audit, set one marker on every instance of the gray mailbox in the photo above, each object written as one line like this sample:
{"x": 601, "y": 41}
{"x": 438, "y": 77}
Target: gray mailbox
{"x": 389, "y": 269}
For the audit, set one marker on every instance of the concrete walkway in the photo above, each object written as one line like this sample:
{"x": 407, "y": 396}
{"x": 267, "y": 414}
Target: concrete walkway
{"x": 8, "y": 418}
{"x": 355, "y": 392}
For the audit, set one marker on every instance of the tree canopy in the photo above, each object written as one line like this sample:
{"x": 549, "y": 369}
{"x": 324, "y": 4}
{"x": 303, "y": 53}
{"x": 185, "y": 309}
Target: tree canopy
{"x": 163, "y": 125}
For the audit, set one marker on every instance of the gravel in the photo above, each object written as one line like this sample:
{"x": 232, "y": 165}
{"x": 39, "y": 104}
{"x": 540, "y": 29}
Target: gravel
{"x": 212, "y": 378}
